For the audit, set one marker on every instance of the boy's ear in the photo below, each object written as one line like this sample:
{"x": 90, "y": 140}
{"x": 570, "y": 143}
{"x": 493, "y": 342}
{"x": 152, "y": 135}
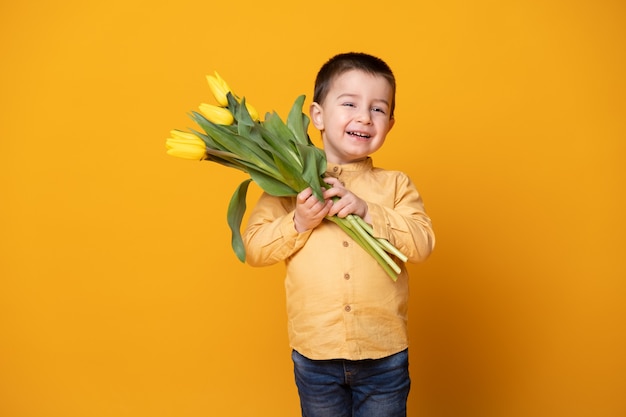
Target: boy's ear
{"x": 392, "y": 121}
{"x": 315, "y": 111}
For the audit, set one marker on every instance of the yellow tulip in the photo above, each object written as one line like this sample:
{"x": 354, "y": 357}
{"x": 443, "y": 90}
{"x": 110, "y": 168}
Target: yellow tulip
{"x": 179, "y": 135}
{"x": 219, "y": 88}
{"x": 216, "y": 114}
{"x": 185, "y": 145}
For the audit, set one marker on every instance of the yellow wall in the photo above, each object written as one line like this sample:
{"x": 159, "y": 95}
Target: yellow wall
{"x": 120, "y": 296}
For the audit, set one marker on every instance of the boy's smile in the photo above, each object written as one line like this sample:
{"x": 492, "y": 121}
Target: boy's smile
{"x": 354, "y": 118}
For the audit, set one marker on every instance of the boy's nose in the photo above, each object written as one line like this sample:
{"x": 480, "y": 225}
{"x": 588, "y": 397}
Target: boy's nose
{"x": 364, "y": 117}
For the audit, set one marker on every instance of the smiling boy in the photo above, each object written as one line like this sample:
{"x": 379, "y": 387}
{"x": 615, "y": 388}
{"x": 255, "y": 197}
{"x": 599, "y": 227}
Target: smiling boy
{"x": 347, "y": 319}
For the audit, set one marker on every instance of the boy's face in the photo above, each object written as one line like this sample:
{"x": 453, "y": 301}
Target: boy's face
{"x": 354, "y": 118}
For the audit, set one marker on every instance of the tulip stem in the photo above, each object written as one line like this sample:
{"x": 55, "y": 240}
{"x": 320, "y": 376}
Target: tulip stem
{"x": 351, "y": 226}
{"x": 383, "y": 242}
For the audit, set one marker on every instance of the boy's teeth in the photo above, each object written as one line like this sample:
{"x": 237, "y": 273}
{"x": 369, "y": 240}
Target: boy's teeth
{"x": 362, "y": 135}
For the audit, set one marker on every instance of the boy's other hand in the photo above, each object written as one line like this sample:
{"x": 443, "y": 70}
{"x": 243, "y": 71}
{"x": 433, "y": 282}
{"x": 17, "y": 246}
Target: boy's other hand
{"x": 347, "y": 202}
{"x": 309, "y": 211}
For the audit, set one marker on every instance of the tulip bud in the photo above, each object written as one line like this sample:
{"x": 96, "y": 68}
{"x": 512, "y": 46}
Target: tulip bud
{"x": 219, "y": 88}
{"x": 186, "y": 136}
{"x": 185, "y": 145}
{"x": 216, "y": 114}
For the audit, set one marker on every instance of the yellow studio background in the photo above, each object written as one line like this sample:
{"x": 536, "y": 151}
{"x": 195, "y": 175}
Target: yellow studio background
{"x": 119, "y": 293}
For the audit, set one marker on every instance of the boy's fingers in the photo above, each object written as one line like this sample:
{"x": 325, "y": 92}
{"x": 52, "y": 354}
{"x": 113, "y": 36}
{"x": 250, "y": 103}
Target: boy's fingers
{"x": 331, "y": 180}
{"x": 334, "y": 192}
{"x": 304, "y": 195}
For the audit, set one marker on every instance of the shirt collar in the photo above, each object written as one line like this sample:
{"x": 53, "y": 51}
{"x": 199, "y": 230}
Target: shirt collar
{"x": 337, "y": 169}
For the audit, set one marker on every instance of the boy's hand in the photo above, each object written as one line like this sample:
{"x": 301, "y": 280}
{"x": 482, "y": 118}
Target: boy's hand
{"x": 309, "y": 210}
{"x": 348, "y": 202}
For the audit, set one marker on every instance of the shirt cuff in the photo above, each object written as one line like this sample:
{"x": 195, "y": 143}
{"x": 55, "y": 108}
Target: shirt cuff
{"x": 290, "y": 234}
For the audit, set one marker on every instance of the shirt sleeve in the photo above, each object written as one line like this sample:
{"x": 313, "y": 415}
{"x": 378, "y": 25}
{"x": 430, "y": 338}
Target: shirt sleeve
{"x": 270, "y": 235}
{"x": 405, "y": 225}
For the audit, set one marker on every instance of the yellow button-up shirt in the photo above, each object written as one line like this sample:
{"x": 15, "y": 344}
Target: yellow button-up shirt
{"x": 340, "y": 302}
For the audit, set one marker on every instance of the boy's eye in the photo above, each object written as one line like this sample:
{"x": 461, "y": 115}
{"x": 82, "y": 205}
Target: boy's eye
{"x": 374, "y": 109}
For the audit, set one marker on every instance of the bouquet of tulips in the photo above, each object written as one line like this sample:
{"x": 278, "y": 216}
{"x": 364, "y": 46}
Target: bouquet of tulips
{"x": 278, "y": 156}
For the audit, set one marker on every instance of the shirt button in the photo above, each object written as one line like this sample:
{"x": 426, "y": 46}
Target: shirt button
{"x": 345, "y": 243}
{"x": 335, "y": 169}
{"x": 346, "y": 276}
{"x": 347, "y": 308}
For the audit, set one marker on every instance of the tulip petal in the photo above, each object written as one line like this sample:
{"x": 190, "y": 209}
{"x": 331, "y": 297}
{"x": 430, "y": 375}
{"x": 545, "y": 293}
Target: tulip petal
{"x": 179, "y": 134}
{"x": 219, "y": 88}
{"x": 217, "y": 115}
{"x": 187, "y": 152}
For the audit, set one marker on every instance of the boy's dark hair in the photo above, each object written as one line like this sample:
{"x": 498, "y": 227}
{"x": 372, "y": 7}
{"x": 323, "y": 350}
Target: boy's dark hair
{"x": 341, "y": 63}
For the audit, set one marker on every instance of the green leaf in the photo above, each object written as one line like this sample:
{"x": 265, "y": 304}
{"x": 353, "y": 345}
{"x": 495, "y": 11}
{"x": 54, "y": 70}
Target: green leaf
{"x": 224, "y": 159}
{"x": 208, "y": 141}
{"x": 278, "y": 136}
{"x": 297, "y": 123}
{"x": 233, "y": 105}
{"x": 305, "y": 123}
{"x": 242, "y": 147}
{"x": 280, "y": 133}
{"x": 256, "y": 134}
{"x": 243, "y": 115}
{"x": 291, "y": 174}
{"x": 236, "y": 210}
{"x": 314, "y": 165}
{"x": 271, "y": 185}
{"x": 245, "y": 124}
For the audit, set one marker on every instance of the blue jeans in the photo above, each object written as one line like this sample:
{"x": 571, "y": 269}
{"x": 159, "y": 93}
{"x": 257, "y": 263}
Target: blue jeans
{"x": 344, "y": 388}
